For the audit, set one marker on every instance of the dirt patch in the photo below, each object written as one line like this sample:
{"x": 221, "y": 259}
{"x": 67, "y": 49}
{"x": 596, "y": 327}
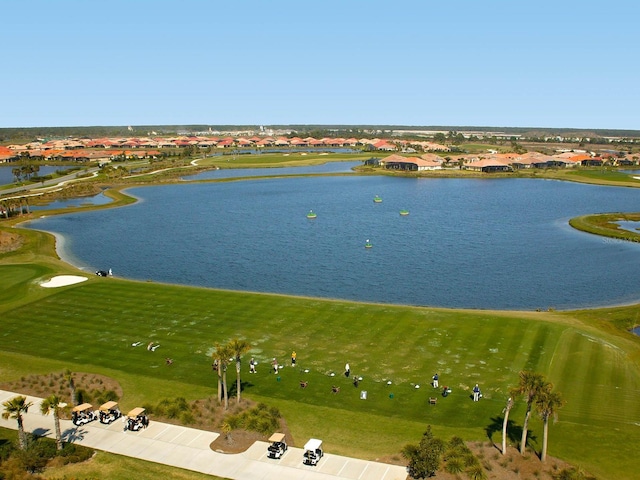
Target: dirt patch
{"x": 10, "y": 241}
{"x": 511, "y": 466}
{"x": 89, "y": 387}
{"x": 236, "y": 441}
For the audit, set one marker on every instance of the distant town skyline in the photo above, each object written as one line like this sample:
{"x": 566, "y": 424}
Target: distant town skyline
{"x": 496, "y": 63}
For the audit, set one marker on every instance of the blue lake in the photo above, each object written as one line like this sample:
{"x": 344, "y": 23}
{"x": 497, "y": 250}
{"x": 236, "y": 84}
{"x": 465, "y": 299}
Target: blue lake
{"x": 469, "y": 243}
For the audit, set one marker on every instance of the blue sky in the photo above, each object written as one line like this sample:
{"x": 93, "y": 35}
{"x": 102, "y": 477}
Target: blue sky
{"x": 266, "y": 62}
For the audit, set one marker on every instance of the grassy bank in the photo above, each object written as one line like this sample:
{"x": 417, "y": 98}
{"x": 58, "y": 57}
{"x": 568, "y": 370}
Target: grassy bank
{"x": 606, "y": 225}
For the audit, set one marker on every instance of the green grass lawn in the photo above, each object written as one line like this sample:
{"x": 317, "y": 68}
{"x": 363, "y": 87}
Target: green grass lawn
{"x": 91, "y": 327}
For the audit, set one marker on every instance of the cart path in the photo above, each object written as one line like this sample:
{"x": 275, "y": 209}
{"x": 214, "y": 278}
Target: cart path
{"x": 188, "y": 448}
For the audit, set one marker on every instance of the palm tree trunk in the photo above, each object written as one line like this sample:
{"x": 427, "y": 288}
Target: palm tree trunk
{"x": 525, "y": 426}
{"x": 219, "y": 372}
{"x": 545, "y": 430}
{"x": 238, "y": 382}
{"x": 226, "y": 391}
{"x": 56, "y": 421}
{"x": 504, "y": 430}
{"x": 22, "y": 440}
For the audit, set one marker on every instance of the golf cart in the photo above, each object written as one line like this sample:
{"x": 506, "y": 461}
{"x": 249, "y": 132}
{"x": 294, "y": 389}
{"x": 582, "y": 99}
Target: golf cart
{"x": 312, "y": 452}
{"x": 81, "y": 414}
{"x": 136, "y": 420}
{"x": 278, "y": 446}
{"x": 109, "y": 412}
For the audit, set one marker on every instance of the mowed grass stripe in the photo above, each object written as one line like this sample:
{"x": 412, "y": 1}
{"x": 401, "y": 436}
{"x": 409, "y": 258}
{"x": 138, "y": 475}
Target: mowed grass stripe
{"x": 585, "y": 373}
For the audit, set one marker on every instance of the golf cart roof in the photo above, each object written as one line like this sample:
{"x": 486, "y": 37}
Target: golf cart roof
{"x": 313, "y": 444}
{"x": 277, "y": 437}
{"x": 135, "y": 412}
{"x": 105, "y": 407}
{"x": 83, "y": 407}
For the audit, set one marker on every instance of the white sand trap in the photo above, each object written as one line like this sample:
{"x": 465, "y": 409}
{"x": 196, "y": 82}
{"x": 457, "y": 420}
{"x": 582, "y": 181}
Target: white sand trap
{"x": 63, "y": 281}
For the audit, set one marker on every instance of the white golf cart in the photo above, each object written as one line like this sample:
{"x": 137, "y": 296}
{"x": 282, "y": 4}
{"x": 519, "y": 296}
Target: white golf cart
{"x": 109, "y": 412}
{"x": 81, "y": 414}
{"x": 136, "y": 420}
{"x": 313, "y": 452}
{"x": 278, "y": 446}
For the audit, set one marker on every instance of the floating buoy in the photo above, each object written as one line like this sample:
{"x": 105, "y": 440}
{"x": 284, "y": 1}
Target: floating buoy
{"x": 404, "y": 212}
{"x": 311, "y": 214}
{"x": 368, "y": 244}
{"x": 377, "y": 199}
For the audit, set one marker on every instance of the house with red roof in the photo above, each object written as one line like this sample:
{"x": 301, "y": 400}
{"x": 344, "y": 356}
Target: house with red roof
{"x": 384, "y": 145}
{"x": 225, "y": 143}
{"x": 398, "y": 162}
{"x": 489, "y": 165}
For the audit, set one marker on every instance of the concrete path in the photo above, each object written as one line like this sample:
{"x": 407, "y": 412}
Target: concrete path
{"x": 188, "y": 448}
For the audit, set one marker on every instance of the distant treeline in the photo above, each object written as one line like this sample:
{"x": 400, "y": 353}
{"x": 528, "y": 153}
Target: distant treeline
{"x": 25, "y": 135}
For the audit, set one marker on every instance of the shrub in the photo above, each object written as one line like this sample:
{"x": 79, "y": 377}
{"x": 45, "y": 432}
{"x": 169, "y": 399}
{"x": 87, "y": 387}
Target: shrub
{"x": 35, "y": 457}
{"x": 572, "y": 473}
{"x": 457, "y": 442}
{"x": 261, "y": 419}
{"x": 187, "y": 418}
{"x": 454, "y": 466}
{"x": 476, "y": 473}
{"x": 75, "y": 453}
{"x": 470, "y": 460}
{"x": 424, "y": 458}
{"x": 107, "y": 396}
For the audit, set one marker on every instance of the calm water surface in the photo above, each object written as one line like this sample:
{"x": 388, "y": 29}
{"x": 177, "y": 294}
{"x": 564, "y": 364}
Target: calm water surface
{"x": 472, "y": 243}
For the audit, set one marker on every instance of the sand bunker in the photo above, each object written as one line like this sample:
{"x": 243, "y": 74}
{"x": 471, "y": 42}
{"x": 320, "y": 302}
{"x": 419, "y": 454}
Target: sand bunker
{"x": 63, "y": 281}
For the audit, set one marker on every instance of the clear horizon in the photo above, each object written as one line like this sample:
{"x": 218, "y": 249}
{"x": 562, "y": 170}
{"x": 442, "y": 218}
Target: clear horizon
{"x": 411, "y": 63}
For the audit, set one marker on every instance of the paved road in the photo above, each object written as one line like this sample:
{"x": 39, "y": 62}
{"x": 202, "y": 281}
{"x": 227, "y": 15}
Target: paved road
{"x": 188, "y": 448}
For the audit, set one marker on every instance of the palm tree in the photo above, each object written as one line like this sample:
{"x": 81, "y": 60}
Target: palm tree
{"x": 531, "y": 384}
{"x": 52, "y": 404}
{"x": 68, "y": 375}
{"x": 217, "y": 366}
{"x": 238, "y": 348}
{"x": 547, "y": 404}
{"x": 17, "y": 173}
{"x": 222, "y": 355}
{"x": 15, "y": 408}
{"x": 505, "y": 422}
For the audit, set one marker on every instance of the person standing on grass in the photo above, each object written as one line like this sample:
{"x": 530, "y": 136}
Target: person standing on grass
{"x": 476, "y": 393}
{"x": 435, "y": 381}
{"x": 252, "y": 366}
{"x": 275, "y": 365}
{"x": 347, "y": 370}
{"x": 293, "y": 358}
